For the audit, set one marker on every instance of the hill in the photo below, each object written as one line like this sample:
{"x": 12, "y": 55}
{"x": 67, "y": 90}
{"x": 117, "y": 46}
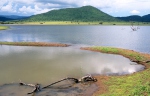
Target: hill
{"x": 16, "y": 17}
{"x": 11, "y": 17}
{"x": 2, "y": 18}
{"x": 145, "y": 18}
{"x": 85, "y": 13}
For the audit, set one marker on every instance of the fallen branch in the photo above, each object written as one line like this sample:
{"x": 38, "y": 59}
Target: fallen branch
{"x": 38, "y": 88}
{"x": 74, "y": 79}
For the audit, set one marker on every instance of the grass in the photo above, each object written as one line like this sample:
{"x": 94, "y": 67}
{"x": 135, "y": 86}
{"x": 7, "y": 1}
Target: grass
{"x": 34, "y": 44}
{"x": 136, "y": 84}
{"x": 3, "y": 27}
{"x": 76, "y": 23}
{"x": 126, "y": 53}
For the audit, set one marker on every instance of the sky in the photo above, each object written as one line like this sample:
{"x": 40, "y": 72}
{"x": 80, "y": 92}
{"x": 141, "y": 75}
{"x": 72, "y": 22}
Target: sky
{"x": 116, "y": 8}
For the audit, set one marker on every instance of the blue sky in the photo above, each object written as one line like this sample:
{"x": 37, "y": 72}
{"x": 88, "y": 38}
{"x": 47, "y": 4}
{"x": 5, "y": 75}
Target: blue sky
{"x": 115, "y": 8}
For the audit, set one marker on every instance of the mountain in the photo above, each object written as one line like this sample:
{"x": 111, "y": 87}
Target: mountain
{"x": 145, "y": 18}
{"x": 131, "y": 18}
{"x": 16, "y": 17}
{"x": 11, "y": 17}
{"x": 2, "y": 18}
{"x": 85, "y": 13}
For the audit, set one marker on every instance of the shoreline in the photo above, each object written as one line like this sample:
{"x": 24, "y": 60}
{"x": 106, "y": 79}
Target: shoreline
{"x": 108, "y": 84}
{"x": 41, "y": 44}
{"x": 76, "y": 23}
{"x": 129, "y": 84}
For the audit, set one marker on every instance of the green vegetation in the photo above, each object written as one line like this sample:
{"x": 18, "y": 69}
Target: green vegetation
{"x": 34, "y": 44}
{"x": 84, "y": 14}
{"x": 127, "y": 53}
{"x": 74, "y": 23}
{"x": 3, "y": 27}
{"x": 136, "y": 84}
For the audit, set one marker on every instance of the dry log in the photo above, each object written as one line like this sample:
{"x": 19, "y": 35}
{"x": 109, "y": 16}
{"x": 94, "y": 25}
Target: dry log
{"x": 38, "y": 88}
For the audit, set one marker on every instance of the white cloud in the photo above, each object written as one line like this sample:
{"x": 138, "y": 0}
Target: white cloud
{"x": 9, "y": 7}
{"x": 134, "y": 12}
{"x": 34, "y": 10}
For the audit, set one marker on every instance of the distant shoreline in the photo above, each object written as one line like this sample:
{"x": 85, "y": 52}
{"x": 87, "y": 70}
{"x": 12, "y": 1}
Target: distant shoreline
{"x": 76, "y": 23}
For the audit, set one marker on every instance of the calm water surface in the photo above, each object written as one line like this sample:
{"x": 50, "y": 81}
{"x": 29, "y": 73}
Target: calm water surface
{"x": 45, "y": 65}
{"x": 49, "y": 64}
{"x": 116, "y": 36}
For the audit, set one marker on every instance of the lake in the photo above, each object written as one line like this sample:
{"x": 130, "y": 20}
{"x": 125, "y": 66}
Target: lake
{"x": 45, "y": 65}
{"x": 94, "y": 35}
{"x": 49, "y": 64}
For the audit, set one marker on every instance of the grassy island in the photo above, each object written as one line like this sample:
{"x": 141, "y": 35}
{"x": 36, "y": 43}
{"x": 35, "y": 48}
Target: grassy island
{"x": 136, "y": 84}
{"x": 3, "y": 27}
{"x": 34, "y": 44}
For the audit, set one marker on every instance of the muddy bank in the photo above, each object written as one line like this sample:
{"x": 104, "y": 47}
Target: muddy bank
{"x": 65, "y": 89}
{"x": 34, "y": 44}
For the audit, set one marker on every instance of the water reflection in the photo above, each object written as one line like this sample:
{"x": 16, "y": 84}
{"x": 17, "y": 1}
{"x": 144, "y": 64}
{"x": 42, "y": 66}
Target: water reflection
{"x": 48, "y": 64}
{"x": 116, "y": 36}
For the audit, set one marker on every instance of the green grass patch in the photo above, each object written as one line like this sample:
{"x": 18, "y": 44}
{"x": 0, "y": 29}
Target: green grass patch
{"x": 137, "y": 84}
{"x": 107, "y": 49}
{"x": 127, "y": 53}
{"x": 3, "y": 27}
{"x": 34, "y": 44}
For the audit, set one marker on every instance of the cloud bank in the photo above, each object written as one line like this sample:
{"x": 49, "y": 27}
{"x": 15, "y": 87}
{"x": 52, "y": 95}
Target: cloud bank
{"x": 112, "y": 7}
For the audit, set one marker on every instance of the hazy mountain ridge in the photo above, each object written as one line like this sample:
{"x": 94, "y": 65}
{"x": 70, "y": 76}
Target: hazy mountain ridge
{"x": 145, "y": 18}
{"x": 2, "y": 18}
{"x": 11, "y": 17}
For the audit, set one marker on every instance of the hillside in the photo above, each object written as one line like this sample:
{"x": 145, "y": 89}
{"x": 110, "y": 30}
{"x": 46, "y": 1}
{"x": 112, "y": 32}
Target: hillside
{"x": 16, "y": 17}
{"x": 85, "y": 13}
{"x": 145, "y": 18}
{"x": 5, "y": 18}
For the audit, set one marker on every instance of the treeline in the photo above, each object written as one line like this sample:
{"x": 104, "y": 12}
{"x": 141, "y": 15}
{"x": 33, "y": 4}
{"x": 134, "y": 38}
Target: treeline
{"x": 5, "y": 19}
{"x": 145, "y": 18}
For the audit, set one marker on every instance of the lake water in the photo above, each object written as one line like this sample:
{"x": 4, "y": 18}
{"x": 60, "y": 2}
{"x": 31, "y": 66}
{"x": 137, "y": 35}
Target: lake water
{"x": 45, "y": 65}
{"x": 49, "y": 64}
{"x": 96, "y": 35}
